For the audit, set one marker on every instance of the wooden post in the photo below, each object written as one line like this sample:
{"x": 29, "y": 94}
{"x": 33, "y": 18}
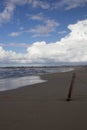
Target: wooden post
{"x": 71, "y": 87}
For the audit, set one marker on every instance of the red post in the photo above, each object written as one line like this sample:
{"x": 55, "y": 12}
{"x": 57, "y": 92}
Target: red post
{"x": 71, "y": 87}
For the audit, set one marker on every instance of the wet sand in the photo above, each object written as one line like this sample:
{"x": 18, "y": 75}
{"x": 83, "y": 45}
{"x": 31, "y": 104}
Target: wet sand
{"x": 44, "y": 107}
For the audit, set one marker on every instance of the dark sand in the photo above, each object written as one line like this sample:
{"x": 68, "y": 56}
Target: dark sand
{"x": 44, "y": 106}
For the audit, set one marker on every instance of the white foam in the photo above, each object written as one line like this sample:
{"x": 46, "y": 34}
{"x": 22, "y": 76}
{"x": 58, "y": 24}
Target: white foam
{"x": 13, "y": 83}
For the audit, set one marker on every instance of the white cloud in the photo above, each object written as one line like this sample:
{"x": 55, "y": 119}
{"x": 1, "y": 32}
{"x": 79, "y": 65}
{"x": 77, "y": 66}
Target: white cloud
{"x": 70, "y": 49}
{"x": 39, "y": 3}
{"x": 48, "y": 27}
{"x": 78, "y": 31}
{"x": 10, "y": 57}
{"x": 62, "y": 32}
{"x": 15, "y": 34}
{"x": 14, "y": 45}
{"x": 38, "y": 17}
{"x": 34, "y": 3}
{"x": 6, "y": 15}
{"x": 21, "y": 28}
{"x": 70, "y": 4}
{"x": 10, "y": 6}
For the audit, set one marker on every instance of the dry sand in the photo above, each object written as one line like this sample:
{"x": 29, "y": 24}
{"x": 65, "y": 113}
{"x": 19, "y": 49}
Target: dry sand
{"x": 44, "y": 106}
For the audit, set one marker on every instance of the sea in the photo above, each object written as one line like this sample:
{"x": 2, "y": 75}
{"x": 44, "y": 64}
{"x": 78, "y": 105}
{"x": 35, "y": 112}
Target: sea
{"x": 16, "y": 77}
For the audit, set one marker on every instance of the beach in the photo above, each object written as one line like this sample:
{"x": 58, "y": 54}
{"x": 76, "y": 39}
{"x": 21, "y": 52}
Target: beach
{"x": 43, "y": 106}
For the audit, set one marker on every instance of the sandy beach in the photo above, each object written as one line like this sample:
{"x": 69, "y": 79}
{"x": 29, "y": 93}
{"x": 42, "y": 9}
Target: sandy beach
{"x": 44, "y": 107}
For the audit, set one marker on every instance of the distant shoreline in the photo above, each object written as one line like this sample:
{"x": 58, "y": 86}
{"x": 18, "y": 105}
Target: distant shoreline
{"x": 76, "y": 66}
{"x": 18, "y": 78}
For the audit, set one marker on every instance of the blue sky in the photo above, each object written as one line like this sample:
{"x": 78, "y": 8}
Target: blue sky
{"x": 38, "y": 32}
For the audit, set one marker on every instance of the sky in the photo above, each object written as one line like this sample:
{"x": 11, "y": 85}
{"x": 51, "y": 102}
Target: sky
{"x": 43, "y": 32}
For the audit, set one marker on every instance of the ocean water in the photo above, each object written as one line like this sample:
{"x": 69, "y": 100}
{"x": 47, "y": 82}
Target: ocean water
{"x": 15, "y": 77}
{"x": 14, "y": 83}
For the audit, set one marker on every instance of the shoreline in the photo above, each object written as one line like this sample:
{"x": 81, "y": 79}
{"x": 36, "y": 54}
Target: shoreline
{"x": 8, "y": 84}
{"x": 44, "y": 107}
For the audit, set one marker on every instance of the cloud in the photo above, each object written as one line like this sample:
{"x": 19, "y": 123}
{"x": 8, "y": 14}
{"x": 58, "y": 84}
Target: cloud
{"x": 39, "y": 3}
{"x": 62, "y": 32}
{"x": 48, "y": 25}
{"x": 15, "y": 34}
{"x": 38, "y": 17}
{"x": 71, "y": 49}
{"x": 34, "y": 3}
{"x": 78, "y": 31}
{"x": 70, "y": 4}
{"x": 6, "y": 15}
{"x": 14, "y": 45}
{"x": 10, "y": 57}
{"x": 10, "y": 6}
{"x": 44, "y": 30}
{"x": 21, "y": 28}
